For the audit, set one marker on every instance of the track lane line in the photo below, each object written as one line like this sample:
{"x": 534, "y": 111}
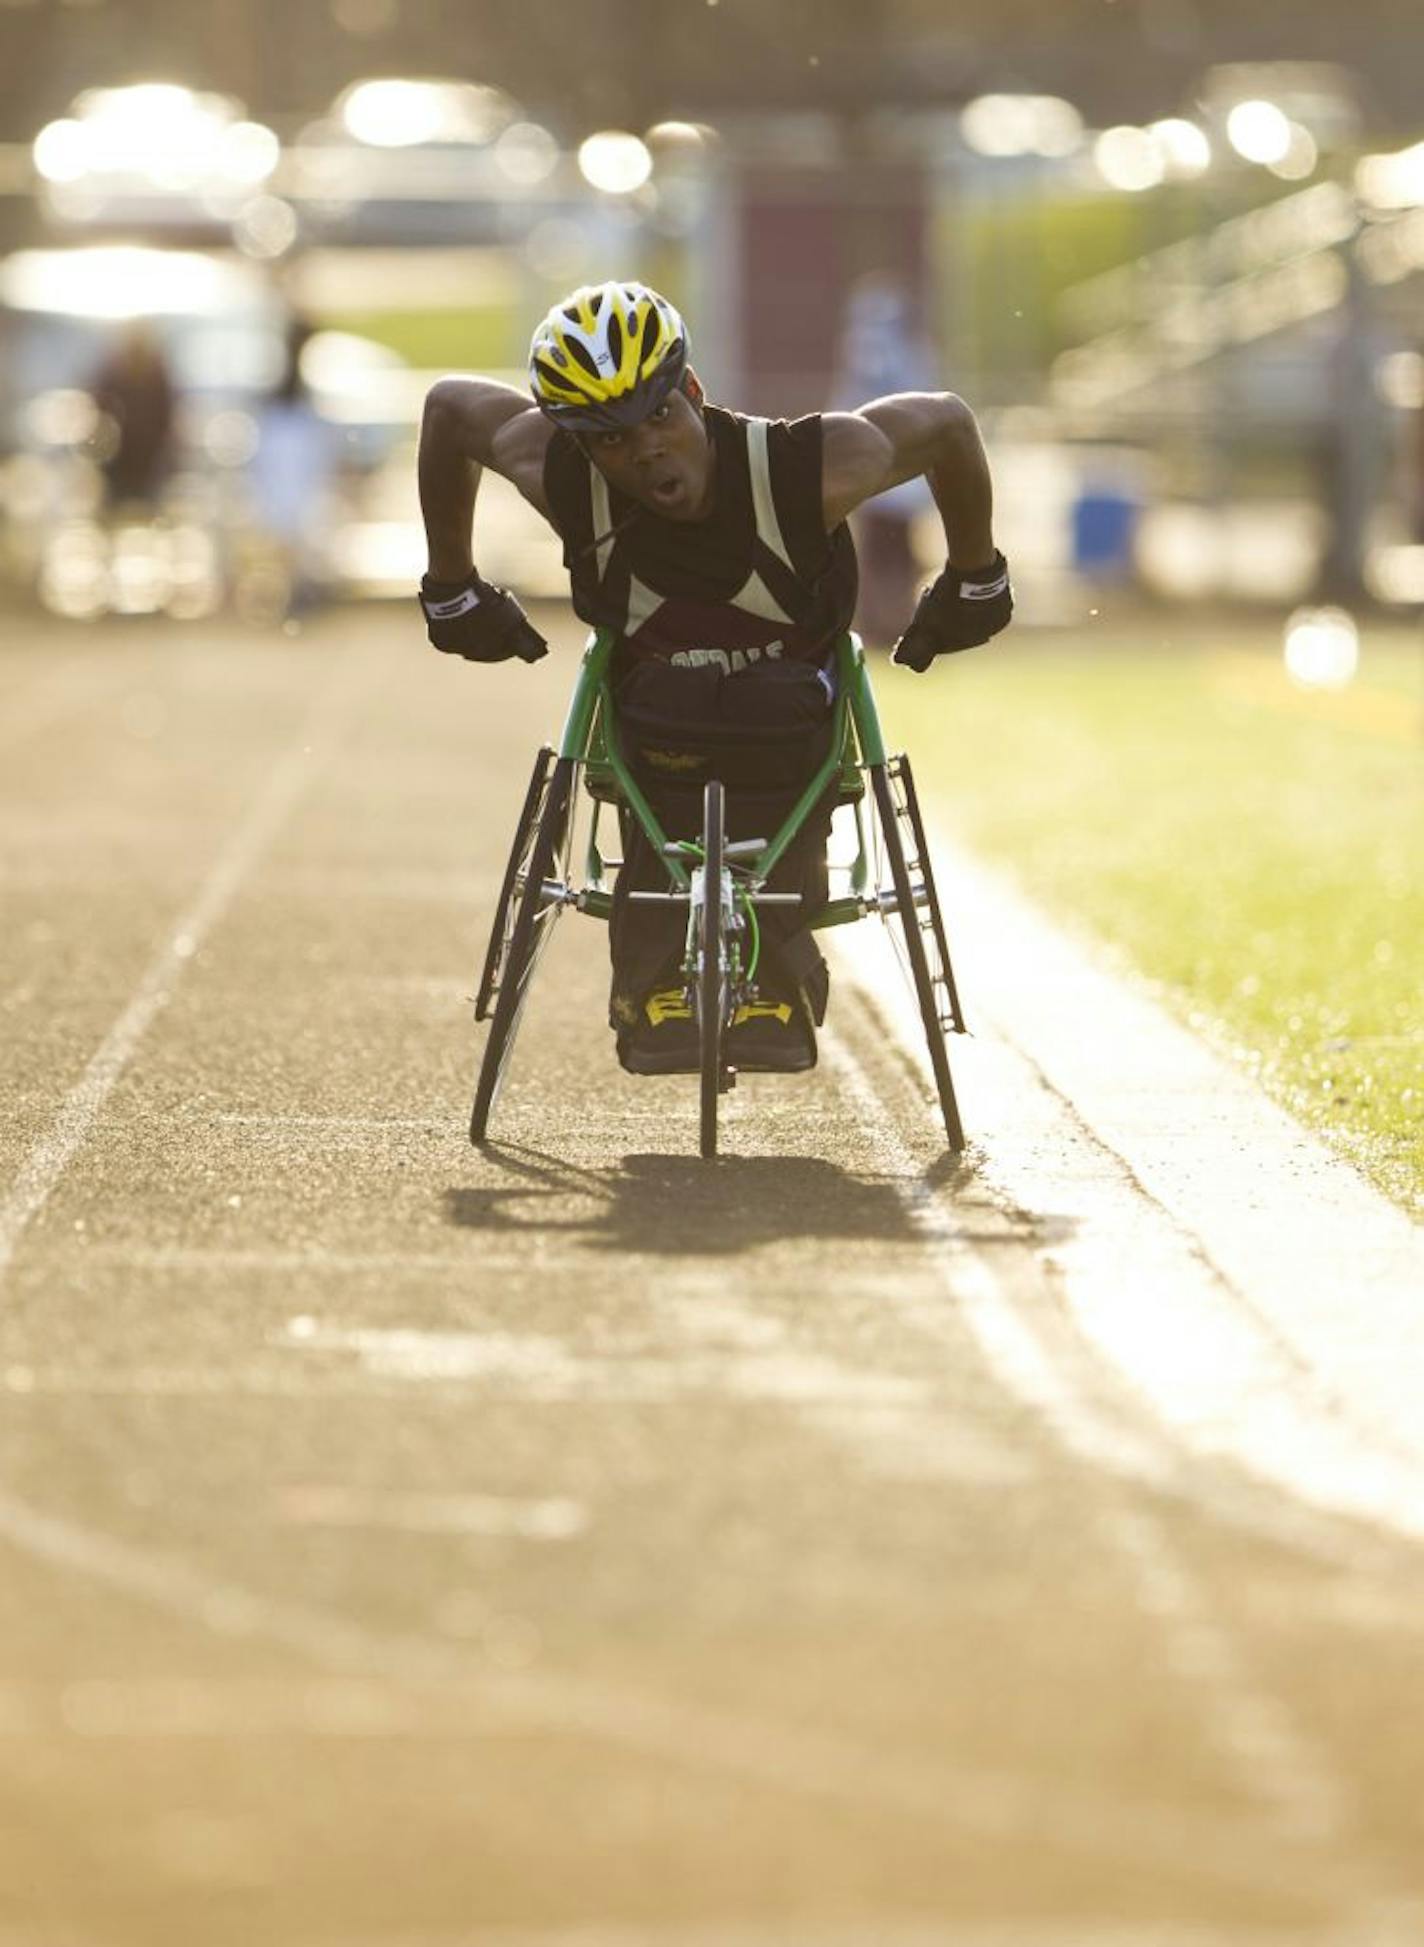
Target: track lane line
{"x": 1279, "y": 1767}
{"x": 978, "y": 1805}
{"x": 49, "y": 1158}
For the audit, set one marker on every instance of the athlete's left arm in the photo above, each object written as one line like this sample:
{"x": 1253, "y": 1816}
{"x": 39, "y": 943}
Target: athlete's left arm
{"x": 933, "y": 434}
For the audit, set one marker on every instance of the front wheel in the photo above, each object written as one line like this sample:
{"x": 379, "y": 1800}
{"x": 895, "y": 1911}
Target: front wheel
{"x": 536, "y": 905}
{"x": 516, "y": 873}
{"x": 712, "y": 970}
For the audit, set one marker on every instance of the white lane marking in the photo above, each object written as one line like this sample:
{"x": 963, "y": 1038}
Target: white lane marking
{"x": 176, "y": 1707}
{"x": 1222, "y": 1379}
{"x": 359, "y": 1124}
{"x": 898, "y": 1428}
{"x": 799, "y": 1761}
{"x": 538, "y": 1366}
{"x": 881, "y": 1929}
{"x": 52, "y": 1154}
{"x": 191, "y": 1260}
{"x": 1274, "y": 1762}
{"x": 321, "y": 1505}
{"x": 895, "y": 1424}
{"x": 1326, "y": 1262}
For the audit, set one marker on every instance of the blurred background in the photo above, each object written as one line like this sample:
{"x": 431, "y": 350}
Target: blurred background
{"x": 1172, "y": 251}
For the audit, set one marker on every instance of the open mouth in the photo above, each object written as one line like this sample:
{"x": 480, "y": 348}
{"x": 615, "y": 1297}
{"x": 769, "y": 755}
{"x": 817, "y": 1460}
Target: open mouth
{"x": 666, "y": 491}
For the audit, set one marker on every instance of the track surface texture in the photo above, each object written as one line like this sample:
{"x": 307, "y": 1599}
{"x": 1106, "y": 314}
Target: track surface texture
{"x": 577, "y": 1544}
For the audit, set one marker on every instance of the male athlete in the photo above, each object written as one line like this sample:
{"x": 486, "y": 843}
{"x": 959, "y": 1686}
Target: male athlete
{"x": 715, "y": 547}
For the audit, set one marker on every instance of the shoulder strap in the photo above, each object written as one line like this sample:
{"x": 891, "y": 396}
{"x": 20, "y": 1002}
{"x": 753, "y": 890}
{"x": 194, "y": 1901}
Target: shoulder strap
{"x": 772, "y": 572}
{"x": 577, "y": 495}
{"x": 768, "y": 524}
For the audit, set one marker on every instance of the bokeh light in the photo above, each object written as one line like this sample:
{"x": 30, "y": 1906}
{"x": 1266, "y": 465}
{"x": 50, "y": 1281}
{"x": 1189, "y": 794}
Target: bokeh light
{"x": 615, "y": 162}
{"x": 1259, "y": 131}
{"x": 1018, "y": 125}
{"x": 527, "y": 154}
{"x": 158, "y": 133}
{"x": 1322, "y": 648}
{"x": 393, "y": 113}
{"x": 1128, "y": 158}
{"x": 1301, "y": 156}
{"x": 1184, "y": 147}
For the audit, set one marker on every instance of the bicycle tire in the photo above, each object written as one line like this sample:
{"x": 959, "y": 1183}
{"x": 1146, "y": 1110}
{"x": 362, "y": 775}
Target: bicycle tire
{"x": 533, "y": 923}
{"x": 711, "y": 967}
{"x": 525, "y": 833}
{"x": 916, "y": 958}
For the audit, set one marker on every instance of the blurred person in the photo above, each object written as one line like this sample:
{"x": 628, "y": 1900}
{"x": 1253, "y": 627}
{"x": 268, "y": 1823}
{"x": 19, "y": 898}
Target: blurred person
{"x": 715, "y": 547}
{"x": 1353, "y": 450}
{"x": 134, "y": 393}
{"x": 290, "y": 479}
{"x": 882, "y": 352}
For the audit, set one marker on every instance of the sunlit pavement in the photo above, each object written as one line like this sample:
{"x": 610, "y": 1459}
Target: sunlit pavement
{"x": 577, "y": 1543}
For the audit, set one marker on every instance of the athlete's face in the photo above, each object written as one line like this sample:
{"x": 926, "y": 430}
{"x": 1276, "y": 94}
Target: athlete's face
{"x": 665, "y": 461}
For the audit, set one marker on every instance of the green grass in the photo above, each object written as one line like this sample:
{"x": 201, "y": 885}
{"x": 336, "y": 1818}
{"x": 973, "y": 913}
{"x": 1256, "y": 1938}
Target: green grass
{"x": 1254, "y": 850}
{"x": 468, "y": 339}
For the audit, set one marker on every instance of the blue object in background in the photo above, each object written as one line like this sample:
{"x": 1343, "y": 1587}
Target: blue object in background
{"x": 1104, "y": 524}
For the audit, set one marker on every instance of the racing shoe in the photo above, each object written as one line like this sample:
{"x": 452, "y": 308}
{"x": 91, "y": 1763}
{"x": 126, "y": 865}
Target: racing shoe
{"x": 661, "y": 1038}
{"x": 773, "y": 1034}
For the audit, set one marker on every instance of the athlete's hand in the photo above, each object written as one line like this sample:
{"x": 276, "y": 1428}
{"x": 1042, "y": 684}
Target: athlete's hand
{"x": 959, "y": 611}
{"x": 473, "y": 619}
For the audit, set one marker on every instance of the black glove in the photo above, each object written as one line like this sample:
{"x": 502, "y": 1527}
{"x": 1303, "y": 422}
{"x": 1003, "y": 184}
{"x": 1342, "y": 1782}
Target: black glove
{"x": 959, "y": 611}
{"x": 473, "y": 619}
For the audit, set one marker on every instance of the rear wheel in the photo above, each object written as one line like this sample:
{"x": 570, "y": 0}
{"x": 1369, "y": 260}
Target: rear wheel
{"x": 535, "y": 904}
{"x": 712, "y": 971}
{"x": 917, "y": 928}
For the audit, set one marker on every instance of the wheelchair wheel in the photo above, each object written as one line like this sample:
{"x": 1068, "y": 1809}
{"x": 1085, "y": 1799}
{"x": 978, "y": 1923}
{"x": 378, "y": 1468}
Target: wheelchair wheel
{"x": 515, "y": 872}
{"x": 533, "y": 916}
{"x": 952, "y": 1015}
{"x": 917, "y": 928}
{"x": 712, "y": 969}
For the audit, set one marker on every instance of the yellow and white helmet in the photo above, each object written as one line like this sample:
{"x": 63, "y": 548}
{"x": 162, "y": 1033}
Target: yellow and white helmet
{"x": 607, "y": 355}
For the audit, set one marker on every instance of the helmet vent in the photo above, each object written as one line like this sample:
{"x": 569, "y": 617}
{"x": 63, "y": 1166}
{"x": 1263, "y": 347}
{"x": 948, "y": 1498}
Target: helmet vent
{"x": 583, "y": 356}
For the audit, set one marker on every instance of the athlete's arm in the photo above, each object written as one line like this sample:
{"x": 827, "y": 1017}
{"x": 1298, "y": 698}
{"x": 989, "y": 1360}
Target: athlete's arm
{"x": 933, "y": 434}
{"x": 910, "y": 434}
{"x": 469, "y": 424}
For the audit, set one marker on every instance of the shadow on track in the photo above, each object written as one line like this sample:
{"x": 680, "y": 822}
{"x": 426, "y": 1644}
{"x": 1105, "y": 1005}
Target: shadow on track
{"x": 677, "y": 1206}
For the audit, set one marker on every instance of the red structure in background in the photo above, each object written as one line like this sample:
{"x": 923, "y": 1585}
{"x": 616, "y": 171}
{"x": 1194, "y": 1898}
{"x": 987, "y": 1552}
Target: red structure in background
{"x": 804, "y": 237}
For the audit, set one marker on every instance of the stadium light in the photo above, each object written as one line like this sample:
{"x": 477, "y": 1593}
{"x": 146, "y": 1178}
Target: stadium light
{"x": 615, "y": 162}
{"x": 388, "y": 113}
{"x": 1019, "y": 125}
{"x": 1259, "y": 132}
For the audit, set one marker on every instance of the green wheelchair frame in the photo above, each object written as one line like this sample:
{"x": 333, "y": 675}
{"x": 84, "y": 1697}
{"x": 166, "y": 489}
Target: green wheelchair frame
{"x": 721, "y": 885}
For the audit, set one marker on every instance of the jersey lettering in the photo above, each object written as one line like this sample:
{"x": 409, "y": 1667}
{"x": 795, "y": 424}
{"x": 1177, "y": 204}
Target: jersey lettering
{"x": 729, "y": 661}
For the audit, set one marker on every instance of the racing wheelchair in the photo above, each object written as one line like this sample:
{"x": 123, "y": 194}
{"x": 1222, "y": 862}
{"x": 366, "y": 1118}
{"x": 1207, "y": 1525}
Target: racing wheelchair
{"x": 720, "y": 883}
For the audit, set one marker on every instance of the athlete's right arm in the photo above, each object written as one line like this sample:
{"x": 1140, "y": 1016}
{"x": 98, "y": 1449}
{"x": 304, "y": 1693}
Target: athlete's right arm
{"x": 467, "y": 425}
